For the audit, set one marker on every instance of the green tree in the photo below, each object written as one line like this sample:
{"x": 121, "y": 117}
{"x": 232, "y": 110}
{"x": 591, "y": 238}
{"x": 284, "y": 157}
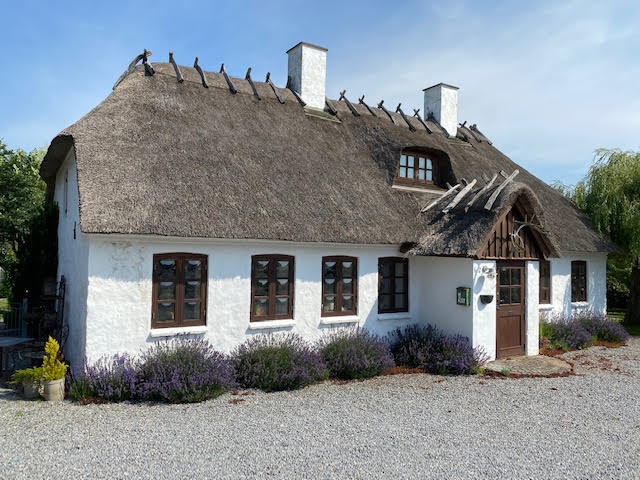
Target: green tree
{"x": 22, "y": 207}
{"x": 610, "y": 195}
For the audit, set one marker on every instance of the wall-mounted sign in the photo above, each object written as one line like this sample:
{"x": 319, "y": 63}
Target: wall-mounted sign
{"x": 463, "y": 296}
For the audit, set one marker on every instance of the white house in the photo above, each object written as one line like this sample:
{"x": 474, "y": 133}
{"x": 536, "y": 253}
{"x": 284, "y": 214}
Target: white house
{"x": 194, "y": 202}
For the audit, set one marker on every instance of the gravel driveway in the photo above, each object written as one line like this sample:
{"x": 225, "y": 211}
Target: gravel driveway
{"x": 403, "y": 426}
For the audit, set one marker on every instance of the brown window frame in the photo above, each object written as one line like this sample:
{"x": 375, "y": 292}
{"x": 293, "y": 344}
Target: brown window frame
{"x": 272, "y": 278}
{"x": 577, "y": 296}
{"x": 545, "y": 273}
{"x": 394, "y": 261}
{"x": 338, "y": 312}
{"x": 415, "y": 181}
{"x": 179, "y": 299}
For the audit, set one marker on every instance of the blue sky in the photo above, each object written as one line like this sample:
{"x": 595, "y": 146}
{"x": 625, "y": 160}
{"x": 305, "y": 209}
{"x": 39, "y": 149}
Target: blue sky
{"x": 548, "y": 82}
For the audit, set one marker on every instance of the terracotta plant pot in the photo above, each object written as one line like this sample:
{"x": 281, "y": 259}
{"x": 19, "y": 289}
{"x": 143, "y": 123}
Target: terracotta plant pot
{"x": 54, "y": 390}
{"x": 31, "y": 389}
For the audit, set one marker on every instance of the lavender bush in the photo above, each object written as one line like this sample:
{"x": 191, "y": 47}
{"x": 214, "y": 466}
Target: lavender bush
{"x": 432, "y": 350}
{"x": 580, "y": 330}
{"x": 277, "y": 362}
{"x": 184, "y": 371}
{"x": 602, "y": 327}
{"x": 355, "y": 353}
{"x": 110, "y": 378}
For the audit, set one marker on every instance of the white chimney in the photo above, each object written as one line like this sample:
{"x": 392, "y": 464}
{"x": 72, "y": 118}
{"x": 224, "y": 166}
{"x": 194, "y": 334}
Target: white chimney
{"x": 441, "y": 100}
{"x": 308, "y": 72}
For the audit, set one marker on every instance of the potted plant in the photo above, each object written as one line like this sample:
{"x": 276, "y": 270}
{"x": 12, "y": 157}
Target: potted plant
{"x": 53, "y": 371}
{"x": 31, "y": 380}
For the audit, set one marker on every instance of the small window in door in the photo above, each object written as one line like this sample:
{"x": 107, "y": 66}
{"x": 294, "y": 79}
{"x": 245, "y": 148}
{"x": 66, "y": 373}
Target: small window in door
{"x": 510, "y": 286}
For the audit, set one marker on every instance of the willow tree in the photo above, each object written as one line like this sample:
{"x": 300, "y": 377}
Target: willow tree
{"x": 610, "y": 195}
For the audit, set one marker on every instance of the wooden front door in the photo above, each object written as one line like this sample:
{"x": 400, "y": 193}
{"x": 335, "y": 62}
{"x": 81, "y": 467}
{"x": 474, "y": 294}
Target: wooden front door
{"x": 510, "y": 309}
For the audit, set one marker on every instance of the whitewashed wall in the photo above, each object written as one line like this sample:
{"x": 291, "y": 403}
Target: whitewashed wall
{"x": 484, "y": 316}
{"x": 120, "y": 283}
{"x": 73, "y": 256}
{"x": 437, "y": 280}
{"x": 561, "y": 284}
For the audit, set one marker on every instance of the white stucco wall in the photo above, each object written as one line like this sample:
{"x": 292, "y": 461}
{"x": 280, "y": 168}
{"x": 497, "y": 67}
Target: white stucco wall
{"x": 561, "y": 284}
{"x": 484, "y": 315}
{"x": 437, "y": 279}
{"x": 73, "y": 256}
{"x": 442, "y": 101}
{"x": 120, "y": 283}
{"x": 532, "y": 345}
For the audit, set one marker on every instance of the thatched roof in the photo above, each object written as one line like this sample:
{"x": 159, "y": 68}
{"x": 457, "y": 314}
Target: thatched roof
{"x": 177, "y": 159}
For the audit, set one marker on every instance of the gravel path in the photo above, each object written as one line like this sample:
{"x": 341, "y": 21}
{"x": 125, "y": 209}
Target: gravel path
{"x": 404, "y": 426}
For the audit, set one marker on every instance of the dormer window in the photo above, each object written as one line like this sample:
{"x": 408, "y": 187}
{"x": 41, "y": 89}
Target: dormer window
{"x": 417, "y": 169}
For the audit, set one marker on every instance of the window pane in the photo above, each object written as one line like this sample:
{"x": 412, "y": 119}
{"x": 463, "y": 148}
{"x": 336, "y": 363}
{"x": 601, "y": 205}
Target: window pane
{"x": 347, "y": 285}
{"x": 515, "y": 295}
{"x": 401, "y": 285}
{"x": 329, "y": 285}
{"x": 191, "y": 311}
{"x": 386, "y": 268}
{"x": 260, "y": 306}
{"x": 261, "y": 268}
{"x": 385, "y": 285}
{"x": 282, "y": 306}
{"x": 403, "y": 160}
{"x": 401, "y": 301}
{"x": 401, "y": 269}
{"x": 192, "y": 289}
{"x": 347, "y": 303}
{"x": 504, "y": 276}
{"x": 282, "y": 269}
{"x": 166, "y": 291}
{"x": 421, "y": 163}
{"x": 166, "y": 312}
{"x": 410, "y": 162}
{"x": 385, "y": 302}
{"x": 429, "y": 164}
{"x": 515, "y": 276}
{"x": 282, "y": 286}
{"x": 329, "y": 303}
{"x": 166, "y": 269}
{"x": 403, "y": 172}
{"x": 421, "y": 175}
{"x": 330, "y": 270}
{"x": 409, "y": 172}
{"x": 261, "y": 288}
{"x": 504, "y": 295}
{"x": 192, "y": 269}
{"x": 347, "y": 269}
{"x": 430, "y": 175}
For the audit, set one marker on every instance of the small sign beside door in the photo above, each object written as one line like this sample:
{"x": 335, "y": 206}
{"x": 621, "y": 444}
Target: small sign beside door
{"x": 463, "y": 296}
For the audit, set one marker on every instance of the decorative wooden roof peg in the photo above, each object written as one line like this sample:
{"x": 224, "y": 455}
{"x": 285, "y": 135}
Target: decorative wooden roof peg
{"x": 474, "y": 127}
{"x": 148, "y": 68}
{"x": 176, "y": 68}
{"x": 475, "y": 136}
{"x": 295, "y": 94}
{"x": 464, "y": 181}
{"x": 330, "y": 106}
{"x": 404, "y": 117}
{"x": 203, "y": 77}
{"x": 382, "y": 107}
{"x": 416, "y": 113}
{"x": 273, "y": 87}
{"x": 349, "y": 104}
{"x": 431, "y": 118}
{"x": 444, "y": 195}
{"x": 361, "y": 101}
{"x": 247, "y": 77}
{"x": 132, "y": 66}
{"x": 460, "y": 196}
{"x": 500, "y": 187}
{"x": 480, "y": 192}
{"x": 232, "y": 88}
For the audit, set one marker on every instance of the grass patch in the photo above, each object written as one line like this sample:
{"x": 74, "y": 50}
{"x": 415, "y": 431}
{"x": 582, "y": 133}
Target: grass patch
{"x": 4, "y": 304}
{"x": 616, "y": 314}
{"x": 632, "y": 329}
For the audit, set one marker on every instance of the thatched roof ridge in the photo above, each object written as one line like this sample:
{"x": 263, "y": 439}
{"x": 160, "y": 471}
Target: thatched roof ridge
{"x": 166, "y": 158}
